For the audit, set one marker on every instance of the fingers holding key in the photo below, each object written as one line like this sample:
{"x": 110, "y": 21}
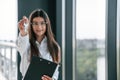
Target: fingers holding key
{"x": 21, "y": 25}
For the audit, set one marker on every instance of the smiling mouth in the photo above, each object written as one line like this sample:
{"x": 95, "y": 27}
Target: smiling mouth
{"x": 39, "y": 30}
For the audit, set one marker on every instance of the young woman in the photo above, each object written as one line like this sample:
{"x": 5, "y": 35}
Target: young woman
{"x": 37, "y": 40}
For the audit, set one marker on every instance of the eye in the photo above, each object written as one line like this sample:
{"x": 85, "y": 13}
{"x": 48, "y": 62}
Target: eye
{"x": 43, "y": 23}
{"x": 39, "y": 23}
{"x": 34, "y": 23}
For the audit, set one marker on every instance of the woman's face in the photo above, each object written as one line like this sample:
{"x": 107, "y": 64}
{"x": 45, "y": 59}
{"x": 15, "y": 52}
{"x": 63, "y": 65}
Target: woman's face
{"x": 39, "y": 26}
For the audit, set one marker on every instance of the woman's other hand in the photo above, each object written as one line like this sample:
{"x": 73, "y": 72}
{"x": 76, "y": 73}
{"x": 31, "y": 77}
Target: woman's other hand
{"x": 45, "y": 77}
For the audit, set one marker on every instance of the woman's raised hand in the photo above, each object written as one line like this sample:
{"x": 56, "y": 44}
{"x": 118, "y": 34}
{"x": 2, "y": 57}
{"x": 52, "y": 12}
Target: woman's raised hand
{"x": 22, "y": 25}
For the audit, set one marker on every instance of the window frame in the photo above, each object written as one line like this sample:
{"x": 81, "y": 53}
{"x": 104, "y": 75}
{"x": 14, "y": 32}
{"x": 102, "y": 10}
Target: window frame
{"x": 111, "y": 20}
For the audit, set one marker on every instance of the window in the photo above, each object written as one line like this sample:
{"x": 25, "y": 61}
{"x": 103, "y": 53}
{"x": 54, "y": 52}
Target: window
{"x": 90, "y": 39}
{"x": 8, "y": 21}
{"x": 8, "y": 35}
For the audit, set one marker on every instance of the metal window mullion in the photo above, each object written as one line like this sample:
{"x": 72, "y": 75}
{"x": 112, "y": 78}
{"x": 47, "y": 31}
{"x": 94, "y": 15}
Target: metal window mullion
{"x": 5, "y": 63}
{"x": 10, "y": 67}
{"x": 111, "y": 40}
{"x": 68, "y": 40}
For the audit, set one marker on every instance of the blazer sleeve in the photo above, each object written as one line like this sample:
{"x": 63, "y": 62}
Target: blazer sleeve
{"x": 56, "y": 73}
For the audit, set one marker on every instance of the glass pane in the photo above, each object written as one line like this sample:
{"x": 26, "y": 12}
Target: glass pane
{"x": 90, "y": 39}
{"x": 8, "y": 21}
{"x": 8, "y": 36}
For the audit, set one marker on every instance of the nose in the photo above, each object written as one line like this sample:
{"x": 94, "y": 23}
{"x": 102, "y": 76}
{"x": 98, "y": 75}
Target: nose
{"x": 39, "y": 26}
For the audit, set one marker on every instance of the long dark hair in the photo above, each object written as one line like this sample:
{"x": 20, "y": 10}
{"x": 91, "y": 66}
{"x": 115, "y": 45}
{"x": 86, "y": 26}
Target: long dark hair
{"x": 52, "y": 45}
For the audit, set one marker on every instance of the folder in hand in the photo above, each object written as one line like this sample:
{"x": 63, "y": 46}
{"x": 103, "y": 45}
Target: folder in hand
{"x": 39, "y": 67}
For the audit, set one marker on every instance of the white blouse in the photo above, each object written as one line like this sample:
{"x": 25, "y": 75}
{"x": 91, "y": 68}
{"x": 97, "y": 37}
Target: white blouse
{"x": 23, "y": 46}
